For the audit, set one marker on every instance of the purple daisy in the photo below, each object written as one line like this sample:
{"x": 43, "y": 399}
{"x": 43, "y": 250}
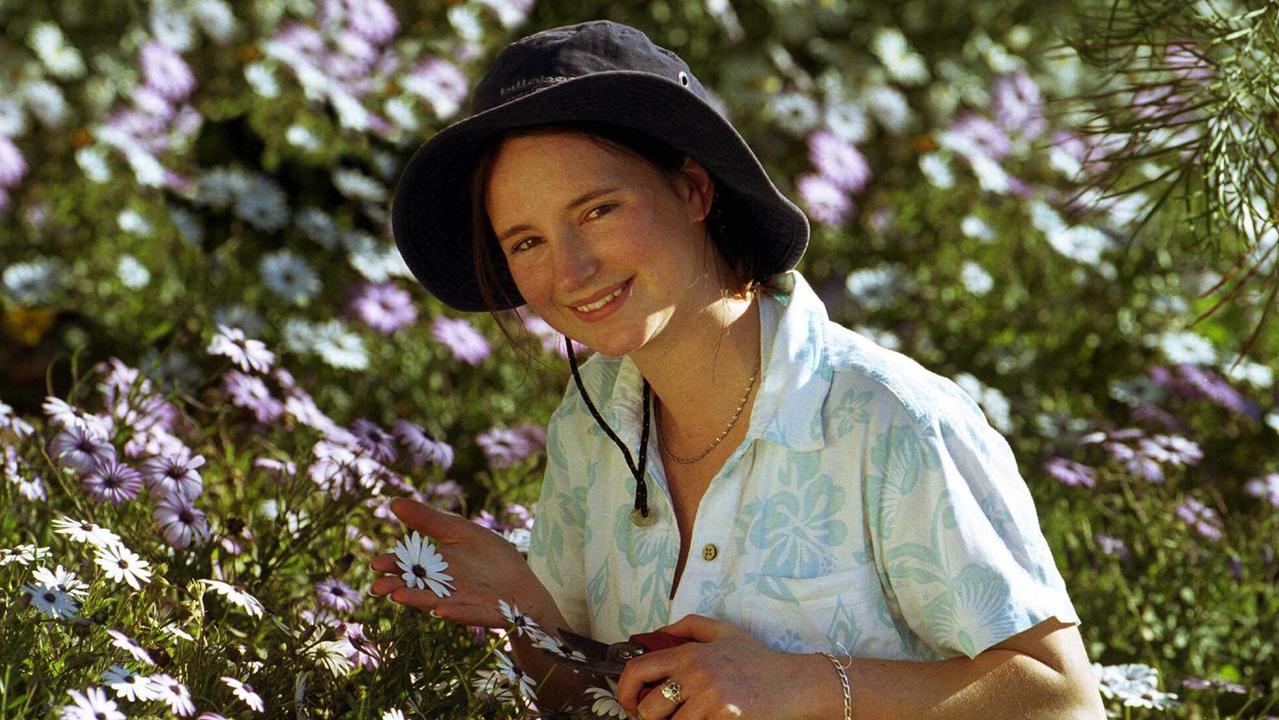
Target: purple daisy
{"x": 1171, "y": 450}
{"x": 505, "y": 447}
{"x": 279, "y": 468}
{"x": 839, "y": 161}
{"x": 985, "y": 134}
{"x": 1201, "y": 518}
{"x": 251, "y": 355}
{"x": 825, "y": 201}
{"x": 1018, "y": 105}
{"x": 151, "y": 102}
{"x": 1134, "y": 462}
{"x": 373, "y": 20}
{"x": 13, "y": 167}
{"x": 81, "y": 449}
{"x": 113, "y": 482}
{"x": 461, "y": 338}
{"x": 337, "y": 595}
{"x": 1188, "y": 63}
{"x": 181, "y": 524}
{"x": 439, "y": 82}
{"x": 1113, "y": 546}
{"x": 249, "y": 391}
{"x": 384, "y": 307}
{"x": 1265, "y": 487}
{"x": 377, "y": 441}
{"x": 1071, "y": 473}
{"x": 166, "y": 72}
{"x": 174, "y": 475}
{"x": 359, "y": 650}
{"x": 1194, "y": 381}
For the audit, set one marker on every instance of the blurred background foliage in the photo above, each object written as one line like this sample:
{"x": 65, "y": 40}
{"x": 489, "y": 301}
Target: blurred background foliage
{"x": 1066, "y": 205}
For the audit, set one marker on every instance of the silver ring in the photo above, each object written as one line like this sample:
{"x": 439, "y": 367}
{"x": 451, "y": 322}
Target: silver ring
{"x": 670, "y": 691}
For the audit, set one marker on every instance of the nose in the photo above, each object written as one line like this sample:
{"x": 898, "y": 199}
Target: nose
{"x": 574, "y": 263}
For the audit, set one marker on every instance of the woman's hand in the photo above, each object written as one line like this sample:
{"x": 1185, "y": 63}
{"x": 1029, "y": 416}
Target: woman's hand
{"x": 725, "y": 674}
{"x": 485, "y": 568}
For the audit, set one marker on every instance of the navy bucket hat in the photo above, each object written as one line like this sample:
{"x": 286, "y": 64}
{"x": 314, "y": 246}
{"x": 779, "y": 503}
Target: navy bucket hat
{"x": 598, "y": 71}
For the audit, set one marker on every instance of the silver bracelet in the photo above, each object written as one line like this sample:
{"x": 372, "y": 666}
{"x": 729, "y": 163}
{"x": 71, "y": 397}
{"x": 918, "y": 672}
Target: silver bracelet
{"x": 843, "y": 681}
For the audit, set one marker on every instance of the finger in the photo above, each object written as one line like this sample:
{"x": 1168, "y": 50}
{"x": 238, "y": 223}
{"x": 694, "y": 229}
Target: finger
{"x": 655, "y": 705}
{"x": 426, "y": 519}
{"x": 385, "y": 562}
{"x": 415, "y": 597}
{"x": 696, "y": 627}
{"x": 387, "y": 584}
{"x": 650, "y": 667}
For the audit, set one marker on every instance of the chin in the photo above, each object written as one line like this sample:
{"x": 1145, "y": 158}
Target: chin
{"x": 614, "y": 345}
{"x": 613, "y": 349}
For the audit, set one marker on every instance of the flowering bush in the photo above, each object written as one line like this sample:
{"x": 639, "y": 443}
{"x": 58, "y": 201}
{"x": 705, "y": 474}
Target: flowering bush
{"x": 193, "y": 197}
{"x": 180, "y": 550}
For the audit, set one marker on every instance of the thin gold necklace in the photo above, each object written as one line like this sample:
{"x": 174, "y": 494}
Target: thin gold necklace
{"x": 750, "y": 385}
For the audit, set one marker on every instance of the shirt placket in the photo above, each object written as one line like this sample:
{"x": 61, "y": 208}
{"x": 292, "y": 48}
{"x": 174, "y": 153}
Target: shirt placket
{"x": 708, "y": 560}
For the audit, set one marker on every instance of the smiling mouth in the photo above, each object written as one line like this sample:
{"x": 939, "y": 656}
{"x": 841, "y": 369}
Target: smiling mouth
{"x": 604, "y": 301}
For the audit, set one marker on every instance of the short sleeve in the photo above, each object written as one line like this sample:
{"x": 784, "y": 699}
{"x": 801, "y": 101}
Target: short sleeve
{"x": 957, "y": 542}
{"x": 557, "y": 542}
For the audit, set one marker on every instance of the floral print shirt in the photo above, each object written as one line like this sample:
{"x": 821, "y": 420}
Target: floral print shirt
{"x": 871, "y": 509}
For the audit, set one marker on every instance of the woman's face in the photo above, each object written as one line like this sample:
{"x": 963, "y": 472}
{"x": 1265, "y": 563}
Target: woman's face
{"x": 603, "y": 246}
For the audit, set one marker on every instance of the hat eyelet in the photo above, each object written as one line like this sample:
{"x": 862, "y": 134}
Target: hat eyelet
{"x": 683, "y": 78}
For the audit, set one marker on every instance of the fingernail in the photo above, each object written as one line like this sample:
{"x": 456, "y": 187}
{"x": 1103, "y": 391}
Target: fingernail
{"x": 433, "y": 614}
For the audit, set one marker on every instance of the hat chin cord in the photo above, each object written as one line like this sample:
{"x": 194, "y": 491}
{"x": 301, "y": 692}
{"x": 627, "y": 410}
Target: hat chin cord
{"x": 640, "y": 514}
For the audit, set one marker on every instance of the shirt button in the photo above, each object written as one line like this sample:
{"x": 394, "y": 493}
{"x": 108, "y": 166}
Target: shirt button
{"x": 709, "y": 552}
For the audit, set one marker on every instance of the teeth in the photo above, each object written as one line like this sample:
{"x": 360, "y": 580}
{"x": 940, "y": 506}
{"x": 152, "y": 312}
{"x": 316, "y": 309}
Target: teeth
{"x": 601, "y": 302}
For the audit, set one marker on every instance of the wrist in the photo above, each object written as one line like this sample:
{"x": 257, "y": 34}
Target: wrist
{"x": 832, "y": 692}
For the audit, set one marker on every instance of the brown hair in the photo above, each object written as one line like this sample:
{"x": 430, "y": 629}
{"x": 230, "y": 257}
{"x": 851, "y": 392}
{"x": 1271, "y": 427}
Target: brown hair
{"x": 490, "y": 263}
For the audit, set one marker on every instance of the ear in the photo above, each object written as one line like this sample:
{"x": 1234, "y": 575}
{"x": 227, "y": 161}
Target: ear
{"x": 696, "y": 188}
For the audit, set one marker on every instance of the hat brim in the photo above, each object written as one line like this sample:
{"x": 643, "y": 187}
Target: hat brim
{"x": 431, "y": 211}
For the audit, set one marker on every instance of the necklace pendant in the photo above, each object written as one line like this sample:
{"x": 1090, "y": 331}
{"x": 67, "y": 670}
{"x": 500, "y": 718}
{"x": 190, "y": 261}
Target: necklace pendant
{"x": 638, "y": 519}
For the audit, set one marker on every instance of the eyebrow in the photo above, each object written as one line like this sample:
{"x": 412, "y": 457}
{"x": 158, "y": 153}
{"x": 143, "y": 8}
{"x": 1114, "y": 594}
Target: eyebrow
{"x": 575, "y": 202}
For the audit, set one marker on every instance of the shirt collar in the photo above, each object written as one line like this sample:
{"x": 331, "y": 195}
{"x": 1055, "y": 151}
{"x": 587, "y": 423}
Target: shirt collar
{"x": 795, "y": 379}
{"x": 797, "y": 372}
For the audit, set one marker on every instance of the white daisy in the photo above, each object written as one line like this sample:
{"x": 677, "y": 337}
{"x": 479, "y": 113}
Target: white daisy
{"x": 128, "y": 684}
{"x": 83, "y": 531}
{"x": 491, "y": 685}
{"x": 129, "y": 645}
{"x": 32, "y": 488}
{"x": 524, "y": 625}
{"x": 64, "y": 580}
{"x": 542, "y": 641}
{"x": 245, "y": 692}
{"x": 393, "y": 714}
{"x": 514, "y": 676}
{"x": 69, "y": 416}
{"x": 23, "y": 554}
{"x": 290, "y": 276}
{"x": 251, "y": 355}
{"x": 332, "y": 656}
{"x": 50, "y": 45}
{"x": 236, "y": 596}
{"x": 173, "y": 693}
{"x": 123, "y": 565}
{"x": 606, "y": 704}
{"x": 423, "y": 566}
{"x": 176, "y": 631}
{"x": 51, "y": 601}
{"x": 93, "y": 704}
{"x": 216, "y": 19}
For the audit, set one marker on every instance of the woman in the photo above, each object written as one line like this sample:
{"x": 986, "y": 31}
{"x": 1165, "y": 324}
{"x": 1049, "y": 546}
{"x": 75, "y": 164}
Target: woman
{"x": 838, "y": 531}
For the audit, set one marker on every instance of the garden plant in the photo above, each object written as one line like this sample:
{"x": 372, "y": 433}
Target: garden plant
{"x": 216, "y": 371}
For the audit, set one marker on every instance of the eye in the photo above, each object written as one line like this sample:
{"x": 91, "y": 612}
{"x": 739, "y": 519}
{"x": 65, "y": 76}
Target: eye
{"x": 606, "y": 208}
{"x": 525, "y": 244}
